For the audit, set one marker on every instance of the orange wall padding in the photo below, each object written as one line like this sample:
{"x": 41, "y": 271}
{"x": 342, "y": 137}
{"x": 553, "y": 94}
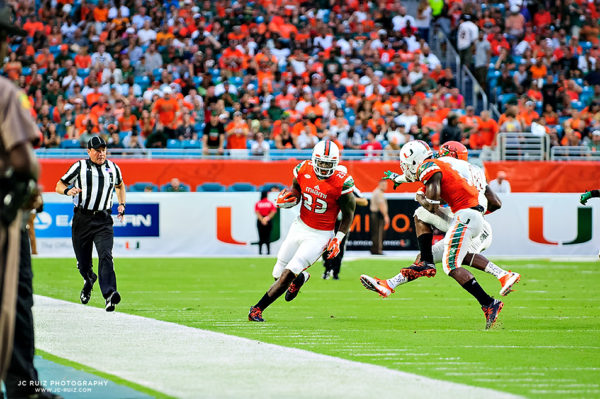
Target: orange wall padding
{"x": 194, "y": 172}
{"x": 523, "y": 176}
{"x": 550, "y": 177}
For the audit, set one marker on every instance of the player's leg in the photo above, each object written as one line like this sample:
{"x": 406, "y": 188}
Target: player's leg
{"x": 281, "y": 271}
{"x": 474, "y": 259}
{"x": 337, "y": 261}
{"x": 467, "y": 225}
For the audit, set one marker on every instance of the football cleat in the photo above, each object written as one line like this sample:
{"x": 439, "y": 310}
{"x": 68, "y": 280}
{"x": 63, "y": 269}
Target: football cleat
{"x": 508, "y": 281}
{"x": 294, "y": 288}
{"x": 416, "y": 270}
{"x": 86, "y": 291}
{"x": 255, "y": 314}
{"x": 374, "y": 284}
{"x": 491, "y": 313}
{"x": 112, "y": 301}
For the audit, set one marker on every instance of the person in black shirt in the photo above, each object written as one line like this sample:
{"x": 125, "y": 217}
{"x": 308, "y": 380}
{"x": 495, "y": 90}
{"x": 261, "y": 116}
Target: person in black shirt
{"x": 549, "y": 92}
{"x": 451, "y": 132}
{"x": 214, "y": 135}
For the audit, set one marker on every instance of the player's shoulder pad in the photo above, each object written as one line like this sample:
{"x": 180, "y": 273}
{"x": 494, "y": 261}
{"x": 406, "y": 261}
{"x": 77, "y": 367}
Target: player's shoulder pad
{"x": 426, "y": 169}
{"x": 348, "y": 185}
{"x": 299, "y": 167}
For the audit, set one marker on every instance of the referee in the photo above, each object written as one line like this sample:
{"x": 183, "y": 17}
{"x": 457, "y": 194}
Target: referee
{"x": 91, "y": 182}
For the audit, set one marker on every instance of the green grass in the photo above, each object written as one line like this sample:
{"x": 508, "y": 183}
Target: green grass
{"x": 546, "y": 343}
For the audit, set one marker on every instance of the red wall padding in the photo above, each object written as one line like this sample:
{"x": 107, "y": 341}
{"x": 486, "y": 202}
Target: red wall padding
{"x": 523, "y": 176}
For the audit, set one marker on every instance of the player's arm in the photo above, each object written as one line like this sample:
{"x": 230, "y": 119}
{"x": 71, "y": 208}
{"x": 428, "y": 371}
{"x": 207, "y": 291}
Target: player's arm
{"x": 494, "y": 202}
{"x": 347, "y": 204}
{"x": 433, "y": 191}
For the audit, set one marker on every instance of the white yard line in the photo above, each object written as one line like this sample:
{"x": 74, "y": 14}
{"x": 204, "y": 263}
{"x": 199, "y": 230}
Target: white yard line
{"x": 187, "y": 362}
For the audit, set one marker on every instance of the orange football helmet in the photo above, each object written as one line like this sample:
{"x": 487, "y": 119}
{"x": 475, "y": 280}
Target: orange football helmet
{"x": 454, "y": 149}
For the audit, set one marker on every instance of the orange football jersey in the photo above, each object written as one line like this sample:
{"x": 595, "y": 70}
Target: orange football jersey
{"x": 458, "y": 189}
{"x": 319, "y": 206}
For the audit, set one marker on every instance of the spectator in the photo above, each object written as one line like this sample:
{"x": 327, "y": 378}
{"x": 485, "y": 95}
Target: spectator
{"x": 483, "y": 52}
{"x": 237, "y": 132}
{"x": 372, "y": 147}
{"x": 500, "y": 184}
{"x": 265, "y": 211}
{"x": 167, "y": 110}
{"x": 175, "y": 186}
{"x": 452, "y": 130}
{"x": 213, "y": 137}
{"x": 259, "y": 146}
{"x": 468, "y": 33}
{"x": 379, "y": 217}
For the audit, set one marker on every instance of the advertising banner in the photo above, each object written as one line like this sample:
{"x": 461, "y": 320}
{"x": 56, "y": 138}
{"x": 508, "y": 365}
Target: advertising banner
{"x": 223, "y": 224}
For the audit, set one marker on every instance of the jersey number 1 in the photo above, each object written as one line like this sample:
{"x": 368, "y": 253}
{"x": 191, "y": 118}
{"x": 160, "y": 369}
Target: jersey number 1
{"x": 320, "y": 205}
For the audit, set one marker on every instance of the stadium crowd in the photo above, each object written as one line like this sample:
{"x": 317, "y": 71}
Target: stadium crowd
{"x": 244, "y": 75}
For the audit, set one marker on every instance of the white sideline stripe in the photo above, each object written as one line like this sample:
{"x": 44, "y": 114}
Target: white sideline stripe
{"x": 187, "y": 362}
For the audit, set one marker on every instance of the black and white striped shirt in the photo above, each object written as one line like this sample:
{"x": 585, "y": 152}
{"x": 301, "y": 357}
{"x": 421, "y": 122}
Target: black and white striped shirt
{"x": 97, "y": 183}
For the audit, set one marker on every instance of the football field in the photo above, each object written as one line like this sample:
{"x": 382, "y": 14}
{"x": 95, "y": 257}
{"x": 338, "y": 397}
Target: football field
{"x": 546, "y": 343}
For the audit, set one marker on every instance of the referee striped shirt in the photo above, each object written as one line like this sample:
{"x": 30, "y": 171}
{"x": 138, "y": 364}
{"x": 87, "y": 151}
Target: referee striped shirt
{"x": 97, "y": 183}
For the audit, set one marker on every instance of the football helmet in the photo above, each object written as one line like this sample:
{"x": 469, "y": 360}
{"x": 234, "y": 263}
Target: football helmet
{"x": 325, "y": 158}
{"x": 454, "y": 149}
{"x": 412, "y": 155}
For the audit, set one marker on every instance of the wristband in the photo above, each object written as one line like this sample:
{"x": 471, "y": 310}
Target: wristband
{"x": 122, "y": 204}
{"x": 66, "y": 191}
{"x": 340, "y": 236}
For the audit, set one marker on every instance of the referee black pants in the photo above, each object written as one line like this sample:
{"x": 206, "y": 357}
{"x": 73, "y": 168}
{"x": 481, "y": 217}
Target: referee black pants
{"x": 89, "y": 229}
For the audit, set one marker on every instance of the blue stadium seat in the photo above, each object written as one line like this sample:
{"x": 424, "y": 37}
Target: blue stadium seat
{"x": 83, "y": 72}
{"x": 26, "y": 71}
{"x": 194, "y": 144}
{"x": 156, "y": 73}
{"x": 143, "y": 81}
{"x": 270, "y": 186}
{"x": 236, "y": 81}
{"x": 210, "y": 187}
{"x": 186, "y": 188}
{"x": 70, "y": 143}
{"x": 173, "y": 143}
{"x": 139, "y": 187}
{"x": 242, "y": 187}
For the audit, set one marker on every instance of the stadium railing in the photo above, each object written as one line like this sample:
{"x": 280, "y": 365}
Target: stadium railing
{"x": 574, "y": 153}
{"x": 521, "y": 146}
{"x": 273, "y": 155}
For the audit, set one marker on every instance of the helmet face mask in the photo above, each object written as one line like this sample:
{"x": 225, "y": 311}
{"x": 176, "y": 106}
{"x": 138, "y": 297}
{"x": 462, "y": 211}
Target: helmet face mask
{"x": 412, "y": 155}
{"x": 325, "y": 159}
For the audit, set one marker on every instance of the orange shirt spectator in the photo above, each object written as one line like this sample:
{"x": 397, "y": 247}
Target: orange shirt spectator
{"x": 83, "y": 61}
{"x": 100, "y": 14}
{"x": 237, "y": 132}
{"x": 126, "y": 123}
{"x": 81, "y": 121}
{"x": 167, "y": 108}
{"x": 44, "y": 58}
{"x": 488, "y": 129}
{"x": 538, "y": 71}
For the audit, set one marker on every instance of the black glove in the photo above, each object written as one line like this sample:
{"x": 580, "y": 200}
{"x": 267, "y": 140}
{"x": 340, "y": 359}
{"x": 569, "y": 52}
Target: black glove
{"x": 15, "y": 190}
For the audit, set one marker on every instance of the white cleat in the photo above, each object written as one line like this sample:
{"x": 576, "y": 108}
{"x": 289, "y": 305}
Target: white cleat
{"x": 508, "y": 281}
{"x": 374, "y": 284}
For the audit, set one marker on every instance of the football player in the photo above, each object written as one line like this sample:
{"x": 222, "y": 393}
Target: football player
{"x": 441, "y": 221}
{"x": 322, "y": 192}
{"x": 451, "y": 180}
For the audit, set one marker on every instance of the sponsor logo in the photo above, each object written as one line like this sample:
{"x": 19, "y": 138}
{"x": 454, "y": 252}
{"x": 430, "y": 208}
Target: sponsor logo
{"x": 225, "y": 224}
{"x": 141, "y": 220}
{"x": 307, "y": 176}
{"x": 536, "y": 226}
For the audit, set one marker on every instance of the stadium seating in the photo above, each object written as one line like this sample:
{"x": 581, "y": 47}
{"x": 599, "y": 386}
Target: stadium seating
{"x": 141, "y": 187}
{"x": 270, "y": 186}
{"x": 184, "y": 187}
{"x": 210, "y": 187}
{"x": 242, "y": 187}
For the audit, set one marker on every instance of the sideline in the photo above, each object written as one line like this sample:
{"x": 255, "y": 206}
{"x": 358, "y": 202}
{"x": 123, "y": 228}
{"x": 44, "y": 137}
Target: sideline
{"x": 187, "y": 362}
